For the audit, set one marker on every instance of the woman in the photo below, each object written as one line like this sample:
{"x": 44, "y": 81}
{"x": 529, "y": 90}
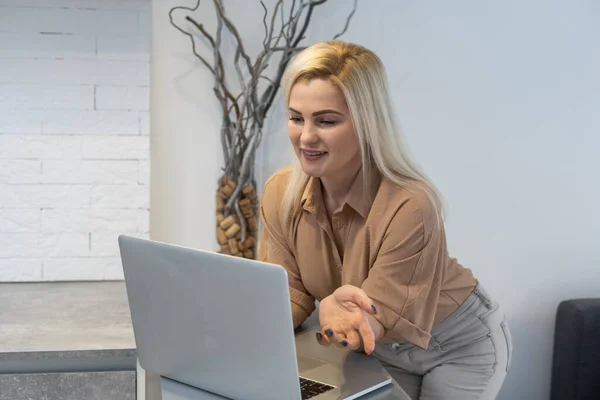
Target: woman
{"x": 360, "y": 229}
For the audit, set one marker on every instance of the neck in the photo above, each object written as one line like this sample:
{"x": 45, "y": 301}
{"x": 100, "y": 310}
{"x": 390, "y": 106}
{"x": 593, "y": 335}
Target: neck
{"x": 336, "y": 188}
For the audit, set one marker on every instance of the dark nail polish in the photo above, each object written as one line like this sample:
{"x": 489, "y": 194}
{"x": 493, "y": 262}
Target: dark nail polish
{"x": 344, "y": 343}
{"x": 374, "y": 309}
{"x": 329, "y": 332}
{"x": 319, "y": 336}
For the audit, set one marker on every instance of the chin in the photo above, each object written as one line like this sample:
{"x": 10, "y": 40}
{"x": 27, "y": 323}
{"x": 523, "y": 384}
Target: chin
{"x": 312, "y": 171}
{"x": 316, "y": 171}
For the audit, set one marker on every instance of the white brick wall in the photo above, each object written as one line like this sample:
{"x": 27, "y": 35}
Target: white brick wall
{"x": 74, "y": 144}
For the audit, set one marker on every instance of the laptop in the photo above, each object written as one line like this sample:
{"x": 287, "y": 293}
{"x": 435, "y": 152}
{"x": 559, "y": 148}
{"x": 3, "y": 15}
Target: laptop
{"x": 223, "y": 324}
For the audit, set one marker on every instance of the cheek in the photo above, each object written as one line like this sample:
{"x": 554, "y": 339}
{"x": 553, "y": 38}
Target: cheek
{"x": 345, "y": 141}
{"x": 353, "y": 144}
{"x": 294, "y": 133}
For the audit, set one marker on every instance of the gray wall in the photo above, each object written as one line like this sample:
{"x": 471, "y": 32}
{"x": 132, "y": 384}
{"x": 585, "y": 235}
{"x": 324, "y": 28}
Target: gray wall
{"x": 499, "y": 102}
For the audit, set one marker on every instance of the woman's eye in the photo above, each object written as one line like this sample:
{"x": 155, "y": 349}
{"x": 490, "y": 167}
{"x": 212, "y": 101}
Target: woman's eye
{"x": 295, "y": 119}
{"x": 327, "y": 122}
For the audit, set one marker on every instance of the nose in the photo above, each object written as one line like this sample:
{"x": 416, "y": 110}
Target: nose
{"x": 308, "y": 137}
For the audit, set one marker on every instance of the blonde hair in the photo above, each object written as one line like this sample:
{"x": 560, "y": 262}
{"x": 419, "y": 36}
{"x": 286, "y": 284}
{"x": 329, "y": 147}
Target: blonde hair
{"x": 360, "y": 74}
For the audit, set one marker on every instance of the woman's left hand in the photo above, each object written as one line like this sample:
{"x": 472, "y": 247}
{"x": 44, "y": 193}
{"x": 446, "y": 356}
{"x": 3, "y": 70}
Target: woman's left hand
{"x": 344, "y": 319}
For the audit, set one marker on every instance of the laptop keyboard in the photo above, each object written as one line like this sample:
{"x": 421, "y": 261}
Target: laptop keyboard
{"x": 310, "y": 389}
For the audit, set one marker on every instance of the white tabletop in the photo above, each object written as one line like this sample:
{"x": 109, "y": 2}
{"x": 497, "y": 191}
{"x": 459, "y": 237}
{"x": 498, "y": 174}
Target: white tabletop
{"x": 306, "y": 345}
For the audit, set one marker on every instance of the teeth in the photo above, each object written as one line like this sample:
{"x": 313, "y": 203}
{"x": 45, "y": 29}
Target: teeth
{"x": 314, "y": 153}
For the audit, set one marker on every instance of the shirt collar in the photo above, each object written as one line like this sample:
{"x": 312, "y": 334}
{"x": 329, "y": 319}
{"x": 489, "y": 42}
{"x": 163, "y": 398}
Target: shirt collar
{"x": 359, "y": 197}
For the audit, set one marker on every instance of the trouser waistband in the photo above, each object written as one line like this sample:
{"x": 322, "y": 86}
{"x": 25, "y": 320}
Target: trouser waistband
{"x": 478, "y": 298}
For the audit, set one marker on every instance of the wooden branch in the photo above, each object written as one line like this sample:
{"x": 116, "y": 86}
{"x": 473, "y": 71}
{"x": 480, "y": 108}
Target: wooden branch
{"x": 189, "y": 34}
{"x": 270, "y": 92}
{"x": 226, "y": 138}
{"x": 241, "y": 133}
{"x": 262, "y": 3}
{"x": 237, "y": 98}
{"x": 267, "y": 41}
{"x": 288, "y": 49}
{"x": 292, "y": 9}
{"x": 311, "y": 7}
{"x": 242, "y": 81}
{"x": 218, "y": 69}
{"x": 200, "y": 27}
{"x": 243, "y": 168}
{"x": 347, "y": 21}
{"x": 248, "y": 90}
{"x": 283, "y": 17}
{"x": 219, "y": 72}
{"x": 234, "y": 32}
{"x": 248, "y": 102}
{"x": 242, "y": 220}
{"x": 294, "y": 19}
{"x": 246, "y": 121}
{"x": 267, "y": 78}
{"x": 292, "y": 22}
{"x": 220, "y": 97}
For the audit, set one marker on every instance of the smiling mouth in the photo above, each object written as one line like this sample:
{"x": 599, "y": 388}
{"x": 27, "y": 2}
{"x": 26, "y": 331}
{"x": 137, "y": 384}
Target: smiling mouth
{"x": 314, "y": 153}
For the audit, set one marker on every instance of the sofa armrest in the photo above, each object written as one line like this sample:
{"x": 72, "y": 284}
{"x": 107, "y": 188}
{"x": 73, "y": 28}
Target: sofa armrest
{"x": 576, "y": 358}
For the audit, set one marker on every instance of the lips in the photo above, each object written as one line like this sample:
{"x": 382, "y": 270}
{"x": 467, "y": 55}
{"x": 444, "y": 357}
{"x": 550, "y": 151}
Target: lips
{"x": 311, "y": 155}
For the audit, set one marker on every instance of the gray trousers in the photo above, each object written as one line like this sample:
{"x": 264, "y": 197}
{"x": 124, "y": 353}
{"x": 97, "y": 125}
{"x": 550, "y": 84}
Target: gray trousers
{"x": 468, "y": 356}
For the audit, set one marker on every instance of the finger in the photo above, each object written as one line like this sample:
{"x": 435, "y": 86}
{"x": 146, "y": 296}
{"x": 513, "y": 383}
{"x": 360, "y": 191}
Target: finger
{"x": 331, "y": 335}
{"x": 360, "y": 297}
{"x": 327, "y": 336}
{"x": 338, "y": 337}
{"x": 368, "y": 337}
{"x": 342, "y": 341}
{"x": 322, "y": 340}
{"x": 352, "y": 340}
{"x": 335, "y": 336}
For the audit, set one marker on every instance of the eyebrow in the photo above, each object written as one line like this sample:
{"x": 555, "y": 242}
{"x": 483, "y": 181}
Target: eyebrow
{"x": 317, "y": 113}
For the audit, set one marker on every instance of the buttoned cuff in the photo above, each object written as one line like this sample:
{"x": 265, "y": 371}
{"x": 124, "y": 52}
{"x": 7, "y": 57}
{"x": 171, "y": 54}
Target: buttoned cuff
{"x": 398, "y": 328}
{"x": 302, "y": 306}
{"x": 303, "y": 300}
{"x": 299, "y": 315}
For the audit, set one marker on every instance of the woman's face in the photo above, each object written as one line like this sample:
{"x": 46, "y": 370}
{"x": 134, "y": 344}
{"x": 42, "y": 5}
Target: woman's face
{"x": 321, "y": 130}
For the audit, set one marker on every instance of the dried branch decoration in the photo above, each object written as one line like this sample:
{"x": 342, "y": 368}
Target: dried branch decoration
{"x": 244, "y": 113}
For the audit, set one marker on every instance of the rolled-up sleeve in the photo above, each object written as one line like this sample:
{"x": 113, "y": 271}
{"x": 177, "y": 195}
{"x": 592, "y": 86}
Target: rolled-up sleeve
{"x": 405, "y": 279}
{"x": 275, "y": 249}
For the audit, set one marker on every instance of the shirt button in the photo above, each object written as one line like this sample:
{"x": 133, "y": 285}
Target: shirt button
{"x": 395, "y": 346}
{"x": 338, "y": 224}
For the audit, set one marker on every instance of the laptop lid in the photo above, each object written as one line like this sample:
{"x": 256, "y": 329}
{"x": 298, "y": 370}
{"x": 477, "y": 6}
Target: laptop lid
{"x": 216, "y": 322}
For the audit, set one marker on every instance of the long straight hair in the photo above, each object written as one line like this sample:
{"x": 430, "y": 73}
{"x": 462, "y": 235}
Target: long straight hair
{"x": 361, "y": 76}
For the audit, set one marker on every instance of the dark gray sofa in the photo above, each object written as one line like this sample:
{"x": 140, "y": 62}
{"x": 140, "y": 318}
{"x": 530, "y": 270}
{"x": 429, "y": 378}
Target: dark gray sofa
{"x": 576, "y": 358}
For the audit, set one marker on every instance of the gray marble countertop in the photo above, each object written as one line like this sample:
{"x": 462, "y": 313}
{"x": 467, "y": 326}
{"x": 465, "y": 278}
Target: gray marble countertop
{"x": 51, "y": 327}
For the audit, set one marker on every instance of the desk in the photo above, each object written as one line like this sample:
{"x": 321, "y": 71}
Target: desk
{"x": 306, "y": 345}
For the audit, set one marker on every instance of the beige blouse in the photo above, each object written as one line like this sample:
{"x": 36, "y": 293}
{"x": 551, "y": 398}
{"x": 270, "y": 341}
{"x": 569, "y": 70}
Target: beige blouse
{"x": 393, "y": 249}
